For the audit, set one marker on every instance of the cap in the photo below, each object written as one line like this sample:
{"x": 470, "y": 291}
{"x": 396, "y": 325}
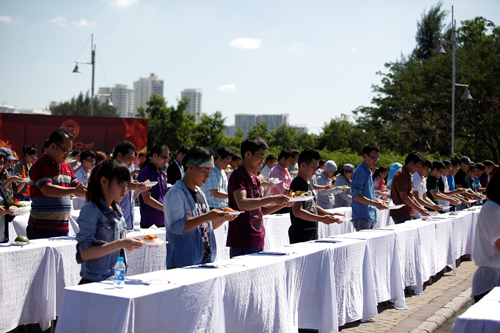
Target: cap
{"x": 330, "y": 166}
{"x": 348, "y": 167}
{"x": 466, "y": 159}
{"x": 8, "y": 154}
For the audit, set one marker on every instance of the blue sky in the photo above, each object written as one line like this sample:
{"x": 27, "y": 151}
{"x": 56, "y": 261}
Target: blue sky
{"x": 311, "y": 59}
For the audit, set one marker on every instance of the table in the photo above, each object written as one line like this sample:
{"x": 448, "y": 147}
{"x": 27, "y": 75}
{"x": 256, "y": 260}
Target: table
{"x": 482, "y": 316}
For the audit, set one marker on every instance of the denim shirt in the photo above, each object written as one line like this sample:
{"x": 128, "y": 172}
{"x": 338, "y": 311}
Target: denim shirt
{"x": 184, "y": 248}
{"x": 362, "y": 183}
{"x": 99, "y": 227}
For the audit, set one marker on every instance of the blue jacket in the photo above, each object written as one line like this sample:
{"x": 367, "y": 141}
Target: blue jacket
{"x": 184, "y": 248}
{"x": 99, "y": 227}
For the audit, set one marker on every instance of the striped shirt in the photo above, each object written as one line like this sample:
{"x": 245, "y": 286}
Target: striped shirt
{"x": 216, "y": 181}
{"x": 50, "y": 213}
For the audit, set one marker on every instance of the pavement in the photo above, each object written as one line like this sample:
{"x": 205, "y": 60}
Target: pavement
{"x": 443, "y": 297}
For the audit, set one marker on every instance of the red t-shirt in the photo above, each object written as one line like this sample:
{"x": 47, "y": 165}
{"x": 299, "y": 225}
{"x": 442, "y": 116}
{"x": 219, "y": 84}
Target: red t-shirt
{"x": 247, "y": 230}
{"x": 402, "y": 182}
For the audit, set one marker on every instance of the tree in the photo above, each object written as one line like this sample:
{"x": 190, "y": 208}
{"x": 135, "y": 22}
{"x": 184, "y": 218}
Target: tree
{"x": 340, "y": 133}
{"x": 429, "y": 32}
{"x": 210, "y": 131}
{"x": 80, "y": 106}
{"x": 306, "y": 140}
{"x": 260, "y": 130}
{"x": 284, "y": 136}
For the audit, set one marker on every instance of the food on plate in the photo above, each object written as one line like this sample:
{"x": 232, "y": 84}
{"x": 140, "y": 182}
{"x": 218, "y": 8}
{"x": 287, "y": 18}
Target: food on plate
{"x": 345, "y": 186}
{"x": 22, "y": 239}
{"x": 147, "y": 181}
{"x": 151, "y": 238}
{"x": 15, "y": 203}
{"x": 297, "y": 194}
{"x": 229, "y": 210}
{"x": 13, "y": 207}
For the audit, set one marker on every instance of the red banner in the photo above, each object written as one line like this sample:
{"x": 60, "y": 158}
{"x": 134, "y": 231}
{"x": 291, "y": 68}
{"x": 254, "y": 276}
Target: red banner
{"x": 94, "y": 133}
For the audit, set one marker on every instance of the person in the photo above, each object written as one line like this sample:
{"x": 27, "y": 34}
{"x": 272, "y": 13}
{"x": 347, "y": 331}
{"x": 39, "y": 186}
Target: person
{"x": 486, "y": 244}
{"x": 433, "y": 192}
{"x": 420, "y": 187}
{"x": 402, "y": 190}
{"x": 488, "y": 168}
{"x": 102, "y": 236}
{"x": 270, "y": 164}
{"x": 6, "y": 215}
{"x": 364, "y": 204}
{"x": 100, "y": 157}
{"x": 379, "y": 182}
{"x": 444, "y": 186}
{"x": 45, "y": 146}
{"x": 280, "y": 172}
{"x": 233, "y": 165}
{"x": 125, "y": 152}
{"x": 52, "y": 182}
{"x": 481, "y": 175}
{"x": 215, "y": 188}
{"x": 325, "y": 198}
{"x": 151, "y": 201}
{"x": 305, "y": 215}
{"x": 175, "y": 170}
{"x": 87, "y": 158}
{"x": 344, "y": 199}
{"x": 246, "y": 232}
{"x": 75, "y": 163}
{"x": 392, "y": 170}
{"x": 22, "y": 169}
{"x": 475, "y": 183}
{"x": 135, "y": 168}
{"x": 455, "y": 165}
{"x": 293, "y": 169}
{"x": 462, "y": 179}
{"x": 189, "y": 222}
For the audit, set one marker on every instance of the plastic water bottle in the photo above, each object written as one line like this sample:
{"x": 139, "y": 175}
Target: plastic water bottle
{"x": 119, "y": 280}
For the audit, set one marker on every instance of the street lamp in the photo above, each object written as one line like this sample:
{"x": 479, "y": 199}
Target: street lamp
{"x": 77, "y": 70}
{"x": 108, "y": 100}
{"x": 467, "y": 96}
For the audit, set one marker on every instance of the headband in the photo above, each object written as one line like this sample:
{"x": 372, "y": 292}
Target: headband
{"x": 207, "y": 162}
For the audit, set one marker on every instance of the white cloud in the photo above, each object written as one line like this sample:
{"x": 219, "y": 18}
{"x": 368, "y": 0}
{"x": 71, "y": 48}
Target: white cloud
{"x": 60, "y": 21}
{"x": 296, "y": 46}
{"x": 6, "y": 19}
{"x": 83, "y": 23}
{"x": 227, "y": 88}
{"x": 124, "y": 3}
{"x": 246, "y": 43}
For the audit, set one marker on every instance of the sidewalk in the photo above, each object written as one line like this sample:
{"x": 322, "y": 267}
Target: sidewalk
{"x": 434, "y": 301}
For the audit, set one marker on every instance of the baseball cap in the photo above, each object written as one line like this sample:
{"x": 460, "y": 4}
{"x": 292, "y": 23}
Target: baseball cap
{"x": 466, "y": 159}
{"x": 330, "y": 166}
{"x": 8, "y": 154}
{"x": 348, "y": 167}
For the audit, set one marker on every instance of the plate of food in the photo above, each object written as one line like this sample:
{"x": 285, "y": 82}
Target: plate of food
{"x": 152, "y": 240}
{"x": 20, "y": 241}
{"x": 23, "y": 210}
{"x": 149, "y": 183}
{"x": 274, "y": 180}
{"x": 25, "y": 180}
{"x": 232, "y": 211}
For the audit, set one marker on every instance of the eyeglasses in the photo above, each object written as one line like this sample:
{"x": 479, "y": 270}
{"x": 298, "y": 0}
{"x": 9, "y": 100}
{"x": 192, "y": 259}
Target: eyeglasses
{"x": 66, "y": 151}
{"x": 90, "y": 160}
{"x": 374, "y": 158}
{"x": 165, "y": 157}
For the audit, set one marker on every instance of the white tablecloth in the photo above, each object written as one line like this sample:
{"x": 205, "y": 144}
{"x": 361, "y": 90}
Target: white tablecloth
{"x": 484, "y": 316}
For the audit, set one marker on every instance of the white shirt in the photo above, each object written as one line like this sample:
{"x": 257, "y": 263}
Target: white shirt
{"x": 446, "y": 189}
{"x": 265, "y": 172}
{"x": 419, "y": 185}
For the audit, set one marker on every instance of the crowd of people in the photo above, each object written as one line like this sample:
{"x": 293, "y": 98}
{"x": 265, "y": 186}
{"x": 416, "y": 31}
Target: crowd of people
{"x": 194, "y": 193}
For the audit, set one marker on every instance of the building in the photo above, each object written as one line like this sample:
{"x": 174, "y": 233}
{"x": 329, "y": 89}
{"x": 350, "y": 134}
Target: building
{"x": 194, "y": 107}
{"x": 247, "y": 121}
{"x": 5, "y": 108}
{"x": 146, "y": 87}
{"x": 122, "y": 98}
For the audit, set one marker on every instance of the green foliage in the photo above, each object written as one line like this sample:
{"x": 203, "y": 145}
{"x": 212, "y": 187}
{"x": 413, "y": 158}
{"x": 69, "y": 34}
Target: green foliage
{"x": 260, "y": 130}
{"x": 284, "y": 136}
{"x": 429, "y": 32}
{"x": 340, "y": 133}
{"x": 210, "y": 131}
{"x": 80, "y": 106}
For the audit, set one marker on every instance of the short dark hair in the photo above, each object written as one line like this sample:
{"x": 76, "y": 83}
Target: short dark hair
{"x": 86, "y": 154}
{"x": 46, "y": 144}
{"x": 414, "y": 157}
{"x": 59, "y": 135}
{"x": 235, "y": 156}
{"x": 473, "y": 167}
{"x": 295, "y": 151}
{"x": 157, "y": 148}
{"x": 183, "y": 149}
{"x": 379, "y": 170}
{"x": 367, "y": 149}
{"x": 454, "y": 161}
{"x": 142, "y": 154}
{"x": 322, "y": 162}
{"x": 285, "y": 153}
{"x": 480, "y": 166}
{"x": 76, "y": 152}
{"x": 426, "y": 162}
{"x": 447, "y": 163}
{"x": 30, "y": 150}
{"x": 196, "y": 153}
{"x": 252, "y": 144}
{"x": 123, "y": 148}
{"x": 488, "y": 163}
{"x": 270, "y": 157}
{"x": 493, "y": 188}
{"x": 223, "y": 152}
{"x": 308, "y": 155}
{"x": 438, "y": 165}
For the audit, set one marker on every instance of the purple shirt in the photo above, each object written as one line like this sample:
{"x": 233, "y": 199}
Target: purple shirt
{"x": 150, "y": 215}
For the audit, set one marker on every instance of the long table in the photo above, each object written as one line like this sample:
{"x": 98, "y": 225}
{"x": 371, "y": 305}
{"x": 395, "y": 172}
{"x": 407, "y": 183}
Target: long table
{"x": 484, "y": 316}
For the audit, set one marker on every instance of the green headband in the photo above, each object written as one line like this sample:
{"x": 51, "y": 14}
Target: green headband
{"x": 207, "y": 162}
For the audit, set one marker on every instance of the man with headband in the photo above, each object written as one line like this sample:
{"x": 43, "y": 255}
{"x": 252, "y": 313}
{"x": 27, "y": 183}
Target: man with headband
{"x": 189, "y": 222}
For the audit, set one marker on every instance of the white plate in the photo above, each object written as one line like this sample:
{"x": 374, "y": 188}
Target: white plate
{"x": 453, "y": 213}
{"x": 25, "y": 180}
{"x": 19, "y": 243}
{"x": 300, "y": 198}
{"x": 236, "y": 213}
{"x": 149, "y": 184}
{"x": 21, "y": 211}
{"x": 395, "y": 207}
{"x": 156, "y": 244}
{"x": 274, "y": 180}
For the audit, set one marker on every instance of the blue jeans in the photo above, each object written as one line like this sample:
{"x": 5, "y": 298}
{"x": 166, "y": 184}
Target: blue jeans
{"x": 33, "y": 233}
{"x": 360, "y": 224}
{"x": 398, "y": 220}
{"x": 240, "y": 251}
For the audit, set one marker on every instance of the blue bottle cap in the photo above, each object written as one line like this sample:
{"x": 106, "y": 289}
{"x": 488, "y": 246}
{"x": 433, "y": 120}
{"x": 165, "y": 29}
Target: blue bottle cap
{"x": 120, "y": 258}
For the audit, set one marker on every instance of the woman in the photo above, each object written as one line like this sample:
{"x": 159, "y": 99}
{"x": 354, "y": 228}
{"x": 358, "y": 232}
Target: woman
{"x": 82, "y": 175}
{"x": 101, "y": 239}
{"x": 486, "y": 251}
{"x": 344, "y": 199}
{"x": 379, "y": 181}
{"x": 5, "y": 214}
{"x": 22, "y": 169}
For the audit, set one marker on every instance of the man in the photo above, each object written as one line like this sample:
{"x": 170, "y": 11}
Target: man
{"x": 189, "y": 223}
{"x": 125, "y": 152}
{"x": 280, "y": 171}
{"x": 270, "y": 163}
{"x": 488, "y": 168}
{"x": 87, "y": 158}
{"x": 420, "y": 187}
{"x": 246, "y": 233}
{"x": 364, "y": 204}
{"x": 151, "y": 201}
{"x": 13, "y": 190}
{"x": 325, "y": 197}
{"x": 52, "y": 182}
{"x": 175, "y": 170}
{"x": 402, "y": 190}
{"x": 305, "y": 215}
{"x": 293, "y": 169}
{"x": 481, "y": 174}
{"x": 462, "y": 179}
{"x": 215, "y": 188}
{"x": 433, "y": 192}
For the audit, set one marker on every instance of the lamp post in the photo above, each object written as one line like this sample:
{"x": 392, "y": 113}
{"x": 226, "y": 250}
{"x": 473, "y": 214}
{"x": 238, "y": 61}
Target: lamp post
{"x": 440, "y": 50}
{"x": 77, "y": 70}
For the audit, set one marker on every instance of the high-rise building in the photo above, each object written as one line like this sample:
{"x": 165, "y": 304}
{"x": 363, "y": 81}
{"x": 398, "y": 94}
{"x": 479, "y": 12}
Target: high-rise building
{"x": 247, "y": 121}
{"x": 146, "y": 87}
{"x": 123, "y": 100}
{"x": 194, "y": 107}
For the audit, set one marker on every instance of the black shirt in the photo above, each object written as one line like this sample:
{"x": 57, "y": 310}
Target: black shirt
{"x": 202, "y": 208}
{"x": 462, "y": 179}
{"x": 301, "y": 230}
